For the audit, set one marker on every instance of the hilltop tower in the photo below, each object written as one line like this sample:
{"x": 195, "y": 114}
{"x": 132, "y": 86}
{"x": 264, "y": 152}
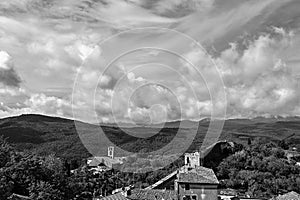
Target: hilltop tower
{"x": 111, "y": 152}
{"x": 192, "y": 159}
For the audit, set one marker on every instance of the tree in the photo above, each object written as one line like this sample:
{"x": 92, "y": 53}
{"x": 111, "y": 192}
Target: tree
{"x": 260, "y": 170}
{"x": 44, "y": 191}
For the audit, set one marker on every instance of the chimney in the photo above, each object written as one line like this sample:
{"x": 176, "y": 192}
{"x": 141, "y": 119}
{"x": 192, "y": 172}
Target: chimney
{"x": 201, "y": 158}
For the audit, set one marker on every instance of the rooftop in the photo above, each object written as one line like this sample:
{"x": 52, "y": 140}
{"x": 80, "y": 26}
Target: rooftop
{"x": 289, "y": 196}
{"x": 152, "y": 194}
{"x": 198, "y": 175}
{"x": 95, "y": 161}
{"x": 142, "y": 194}
{"x": 118, "y": 196}
{"x": 18, "y": 197}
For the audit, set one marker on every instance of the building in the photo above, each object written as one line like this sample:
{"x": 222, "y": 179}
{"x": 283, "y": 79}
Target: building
{"x": 142, "y": 194}
{"x": 104, "y": 163}
{"x": 288, "y": 196}
{"x": 196, "y": 183}
{"x": 18, "y": 197}
{"x": 292, "y": 155}
{"x": 192, "y": 159}
{"x": 190, "y": 182}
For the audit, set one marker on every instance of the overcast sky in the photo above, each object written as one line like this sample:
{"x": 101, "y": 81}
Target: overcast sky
{"x": 104, "y": 55}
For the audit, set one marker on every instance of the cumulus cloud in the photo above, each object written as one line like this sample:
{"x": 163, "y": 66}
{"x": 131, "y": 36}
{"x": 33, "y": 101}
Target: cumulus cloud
{"x": 50, "y": 40}
{"x": 258, "y": 80}
{"x": 49, "y": 104}
{"x": 8, "y": 75}
{"x": 38, "y": 104}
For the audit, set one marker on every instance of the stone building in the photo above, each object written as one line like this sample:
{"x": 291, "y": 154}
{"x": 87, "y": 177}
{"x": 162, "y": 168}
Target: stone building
{"x": 190, "y": 182}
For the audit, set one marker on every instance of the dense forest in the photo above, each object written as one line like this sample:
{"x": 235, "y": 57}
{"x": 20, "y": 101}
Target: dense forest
{"x": 40, "y": 151}
{"x": 260, "y": 169}
{"x": 46, "y": 135}
{"x": 50, "y": 178}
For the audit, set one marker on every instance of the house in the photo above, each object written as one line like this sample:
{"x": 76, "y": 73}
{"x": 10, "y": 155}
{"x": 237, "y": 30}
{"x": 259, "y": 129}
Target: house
{"x": 190, "y": 182}
{"x": 142, "y": 194}
{"x": 227, "y": 194}
{"x": 196, "y": 183}
{"x": 288, "y": 196}
{"x": 104, "y": 163}
{"x": 292, "y": 155}
{"x": 152, "y": 195}
{"x": 18, "y": 197}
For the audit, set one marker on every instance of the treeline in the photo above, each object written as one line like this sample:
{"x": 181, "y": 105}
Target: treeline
{"x": 50, "y": 178}
{"x": 261, "y": 169}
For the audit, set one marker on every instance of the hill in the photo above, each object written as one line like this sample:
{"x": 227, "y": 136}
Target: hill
{"x": 46, "y": 135}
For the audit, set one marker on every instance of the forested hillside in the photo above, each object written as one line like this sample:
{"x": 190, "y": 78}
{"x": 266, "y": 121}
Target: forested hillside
{"x": 51, "y": 135}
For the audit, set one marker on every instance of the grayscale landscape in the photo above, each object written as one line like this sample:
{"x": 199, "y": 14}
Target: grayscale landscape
{"x": 149, "y": 100}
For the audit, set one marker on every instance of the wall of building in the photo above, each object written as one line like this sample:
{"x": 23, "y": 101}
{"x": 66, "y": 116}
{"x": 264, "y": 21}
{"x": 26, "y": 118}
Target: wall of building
{"x": 202, "y": 191}
{"x": 192, "y": 159}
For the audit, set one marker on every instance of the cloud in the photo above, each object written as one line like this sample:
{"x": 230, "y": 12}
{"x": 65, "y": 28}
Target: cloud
{"x": 40, "y": 103}
{"x": 258, "y": 80}
{"x": 8, "y": 75}
{"x": 176, "y": 8}
{"x": 46, "y": 42}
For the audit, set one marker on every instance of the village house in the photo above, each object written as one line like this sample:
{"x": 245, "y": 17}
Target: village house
{"x": 190, "y": 182}
{"x": 104, "y": 163}
{"x": 288, "y": 196}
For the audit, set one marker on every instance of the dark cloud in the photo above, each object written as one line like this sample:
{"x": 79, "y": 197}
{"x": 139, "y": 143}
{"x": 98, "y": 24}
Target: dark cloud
{"x": 10, "y": 77}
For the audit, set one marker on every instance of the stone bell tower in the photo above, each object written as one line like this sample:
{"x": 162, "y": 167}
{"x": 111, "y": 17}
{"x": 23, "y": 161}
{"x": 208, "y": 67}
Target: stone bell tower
{"x": 111, "y": 152}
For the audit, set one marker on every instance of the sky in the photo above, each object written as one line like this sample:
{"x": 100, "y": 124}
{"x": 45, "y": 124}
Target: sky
{"x": 149, "y": 61}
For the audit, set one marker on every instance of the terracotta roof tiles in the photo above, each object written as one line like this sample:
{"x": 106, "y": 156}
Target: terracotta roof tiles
{"x": 198, "y": 175}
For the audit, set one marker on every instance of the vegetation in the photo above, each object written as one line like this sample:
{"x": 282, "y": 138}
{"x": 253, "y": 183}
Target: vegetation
{"x": 42, "y": 150}
{"x": 49, "y": 178}
{"x": 260, "y": 169}
{"x": 51, "y": 135}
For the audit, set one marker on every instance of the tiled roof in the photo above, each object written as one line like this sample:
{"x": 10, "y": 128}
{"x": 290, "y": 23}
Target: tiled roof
{"x": 95, "y": 161}
{"x": 142, "y": 194}
{"x": 18, "y": 197}
{"x": 198, "y": 175}
{"x": 162, "y": 180}
{"x": 289, "y": 196}
{"x": 118, "y": 196}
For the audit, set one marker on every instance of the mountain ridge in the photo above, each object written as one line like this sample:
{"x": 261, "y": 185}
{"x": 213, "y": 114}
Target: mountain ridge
{"x": 55, "y": 135}
{"x": 39, "y": 117}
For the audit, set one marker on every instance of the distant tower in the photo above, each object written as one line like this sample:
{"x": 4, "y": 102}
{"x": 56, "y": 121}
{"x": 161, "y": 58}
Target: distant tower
{"x": 111, "y": 152}
{"x": 192, "y": 159}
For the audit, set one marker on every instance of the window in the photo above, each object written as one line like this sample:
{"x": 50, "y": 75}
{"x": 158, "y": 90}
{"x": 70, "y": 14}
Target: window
{"x": 187, "y": 186}
{"x": 186, "y": 197}
{"x": 190, "y": 197}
